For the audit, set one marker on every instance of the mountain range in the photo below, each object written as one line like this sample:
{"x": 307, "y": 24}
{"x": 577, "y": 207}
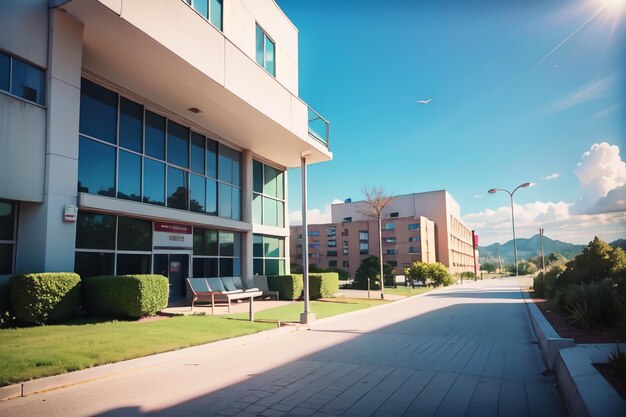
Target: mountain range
{"x": 527, "y": 248}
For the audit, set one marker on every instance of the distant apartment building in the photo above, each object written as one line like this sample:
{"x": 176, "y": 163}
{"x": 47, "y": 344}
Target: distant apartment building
{"x": 422, "y": 227}
{"x": 142, "y": 136}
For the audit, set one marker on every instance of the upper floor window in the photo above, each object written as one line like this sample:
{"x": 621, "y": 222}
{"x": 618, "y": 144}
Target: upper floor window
{"x": 129, "y": 152}
{"x": 347, "y": 220}
{"x": 363, "y": 235}
{"x": 390, "y": 226}
{"x": 7, "y": 237}
{"x": 394, "y": 214}
{"x": 314, "y": 232}
{"x": 211, "y": 10}
{"x": 268, "y": 197}
{"x": 414, "y": 226}
{"x": 22, "y": 79}
{"x": 331, "y": 231}
{"x": 265, "y": 51}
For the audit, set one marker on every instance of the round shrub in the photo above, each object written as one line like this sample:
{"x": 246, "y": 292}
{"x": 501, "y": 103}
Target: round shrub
{"x": 48, "y": 296}
{"x": 131, "y": 296}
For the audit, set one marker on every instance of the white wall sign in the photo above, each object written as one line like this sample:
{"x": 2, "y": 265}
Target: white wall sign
{"x": 172, "y": 236}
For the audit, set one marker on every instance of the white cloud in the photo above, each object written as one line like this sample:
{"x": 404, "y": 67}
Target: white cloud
{"x": 607, "y": 111}
{"x": 556, "y": 218}
{"x": 600, "y": 211}
{"x": 314, "y": 216}
{"x": 589, "y": 92}
{"x": 552, "y": 176}
{"x": 600, "y": 171}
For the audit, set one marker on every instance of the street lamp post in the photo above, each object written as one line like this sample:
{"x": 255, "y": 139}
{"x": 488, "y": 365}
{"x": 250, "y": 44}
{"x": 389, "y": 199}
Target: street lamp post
{"x": 493, "y": 191}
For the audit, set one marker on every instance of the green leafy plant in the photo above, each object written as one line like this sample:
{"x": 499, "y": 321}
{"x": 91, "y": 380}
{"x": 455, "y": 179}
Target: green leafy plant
{"x": 288, "y": 286}
{"x": 323, "y": 285}
{"x": 589, "y": 304}
{"x": 44, "y": 297}
{"x": 434, "y": 274}
{"x": 131, "y": 296}
{"x": 617, "y": 359}
{"x": 538, "y": 285}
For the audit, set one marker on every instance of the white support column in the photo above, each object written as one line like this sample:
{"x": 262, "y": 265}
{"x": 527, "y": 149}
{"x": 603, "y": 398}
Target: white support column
{"x": 246, "y": 216}
{"x": 307, "y": 316}
{"x": 45, "y": 241}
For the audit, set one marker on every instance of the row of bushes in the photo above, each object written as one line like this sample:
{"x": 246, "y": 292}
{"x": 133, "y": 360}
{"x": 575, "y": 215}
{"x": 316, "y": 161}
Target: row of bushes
{"x": 321, "y": 285}
{"x": 432, "y": 274}
{"x": 590, "y": 289}
{"x": 45, "y": 297}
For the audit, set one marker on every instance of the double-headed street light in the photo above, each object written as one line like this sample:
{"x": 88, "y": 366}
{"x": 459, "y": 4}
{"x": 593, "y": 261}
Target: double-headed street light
{"x": 493, "y": 191}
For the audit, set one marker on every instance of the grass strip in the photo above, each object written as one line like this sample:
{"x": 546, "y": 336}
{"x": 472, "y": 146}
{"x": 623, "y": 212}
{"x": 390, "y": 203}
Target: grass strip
{"x": 35, "y": 352}
{"x": 321, "y": 308}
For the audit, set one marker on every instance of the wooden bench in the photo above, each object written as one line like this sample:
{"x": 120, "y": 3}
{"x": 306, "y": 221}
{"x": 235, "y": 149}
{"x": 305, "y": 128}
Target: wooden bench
{"x": 214, "y": 291}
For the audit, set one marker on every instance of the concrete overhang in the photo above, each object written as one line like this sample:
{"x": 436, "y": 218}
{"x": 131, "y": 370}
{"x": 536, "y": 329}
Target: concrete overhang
{"x": 170, "y": 56}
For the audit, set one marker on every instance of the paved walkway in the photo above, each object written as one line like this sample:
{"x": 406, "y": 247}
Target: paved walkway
{"x": 464, "y": 351}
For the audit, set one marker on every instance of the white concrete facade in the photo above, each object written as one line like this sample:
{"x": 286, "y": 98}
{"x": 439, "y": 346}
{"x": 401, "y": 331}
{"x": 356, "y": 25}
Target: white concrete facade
{"x": 169, "y": 59}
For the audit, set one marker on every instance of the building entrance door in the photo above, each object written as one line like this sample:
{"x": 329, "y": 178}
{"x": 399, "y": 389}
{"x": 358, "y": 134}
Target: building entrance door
{"x": 175, "y": 267}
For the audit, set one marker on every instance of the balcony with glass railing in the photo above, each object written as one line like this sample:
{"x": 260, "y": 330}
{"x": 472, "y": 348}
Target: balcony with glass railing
{"x": 319, "y": 128}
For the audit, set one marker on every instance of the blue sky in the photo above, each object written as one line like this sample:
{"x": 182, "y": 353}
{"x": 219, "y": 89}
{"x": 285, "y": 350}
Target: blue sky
{"x": 507, "y": 107}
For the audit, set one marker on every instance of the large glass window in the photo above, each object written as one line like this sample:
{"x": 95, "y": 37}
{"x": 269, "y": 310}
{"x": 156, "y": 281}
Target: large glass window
{"x": 155, "y": 135}
{"x": 27, "y": 81}
{"x": 134, "y": 234}
{"x": 197, "y": 193}
{"x": 133, "y": 263}
{"x": 176, "y": 188}
{"x": 95, "y": 231}
{"x": 177, "y": 144}
{"x": 107, "y": 245}
{"x": 129, "y": 180}
{"x": 96, "y": 168}
{"x": 265, "y": 51}
{"x": 197, "y": 152}
{"x": 98, "y": 111}
{"x": 131, "y": 125}
{"x": 216, "y": 253}
{"x": 153, "y": 182}
{"x": 5, "y": 71}
{"x": 414, "y": 226}
{"x": 364, "y": 248}
{"x": 268, "y": 206}
{"x": 211, "y": 158}
{"x": 268, "y": 255}
{"x": 22, "y": 79}
{"x": 7, "y": 237}
{"x": 211, "y": 197}
{"x": 157, "y": 160}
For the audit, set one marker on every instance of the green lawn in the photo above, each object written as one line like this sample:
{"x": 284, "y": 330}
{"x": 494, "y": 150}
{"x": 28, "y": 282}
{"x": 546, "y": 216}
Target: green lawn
{"x": 35, "y": 352}
{"x": 407, "y": 291}
{"x": 322, "y": 309}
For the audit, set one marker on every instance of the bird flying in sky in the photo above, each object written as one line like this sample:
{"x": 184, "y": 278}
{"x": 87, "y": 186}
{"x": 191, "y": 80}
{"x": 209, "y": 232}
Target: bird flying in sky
{"x": 424, "y": 101}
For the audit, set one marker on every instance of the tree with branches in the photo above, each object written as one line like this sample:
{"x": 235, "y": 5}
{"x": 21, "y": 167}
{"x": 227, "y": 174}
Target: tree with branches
{"x": 376, "y": 200}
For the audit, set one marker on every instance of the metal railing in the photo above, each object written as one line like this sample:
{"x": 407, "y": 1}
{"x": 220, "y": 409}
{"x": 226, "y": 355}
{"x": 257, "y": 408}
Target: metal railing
{"x": 319, "y": 128}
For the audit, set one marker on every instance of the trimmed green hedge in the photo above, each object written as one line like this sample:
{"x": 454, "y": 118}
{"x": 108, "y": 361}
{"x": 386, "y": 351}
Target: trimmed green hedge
{"x": 125, "y": 295}
{"x": 288, "y": 286}
{"x": 49, "y": 296}
{"x": 323, "y": 284}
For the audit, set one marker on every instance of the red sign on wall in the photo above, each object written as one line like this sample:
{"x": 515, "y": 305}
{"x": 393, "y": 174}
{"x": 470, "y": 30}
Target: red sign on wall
{"x": 172, "y": 228}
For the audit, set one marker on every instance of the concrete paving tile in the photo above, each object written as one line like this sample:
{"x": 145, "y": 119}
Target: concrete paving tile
{"x": 457, "y": 400}
{"x": 428, "y": 401}
{"x": 404, "y": 396}
{"x": 484, "y": 402}
{"x": 512, "y": 401}
{"x": 301, "y": 412}
{"x": 369, "y": 403}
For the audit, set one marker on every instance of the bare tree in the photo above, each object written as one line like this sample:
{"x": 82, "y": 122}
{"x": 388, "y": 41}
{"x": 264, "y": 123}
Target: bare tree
{"x": 376, "y": 200}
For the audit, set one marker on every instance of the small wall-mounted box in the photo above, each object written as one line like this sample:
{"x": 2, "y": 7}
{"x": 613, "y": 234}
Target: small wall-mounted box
{"x": 70, "y": 214}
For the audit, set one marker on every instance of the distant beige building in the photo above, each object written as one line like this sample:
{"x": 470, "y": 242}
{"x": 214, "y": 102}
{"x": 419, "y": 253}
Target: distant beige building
{"x": 424, "y": 227}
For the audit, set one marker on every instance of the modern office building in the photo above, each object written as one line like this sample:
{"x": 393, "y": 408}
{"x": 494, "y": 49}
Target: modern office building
{"x": 424, "y": 227}
{"x": 140, "y": 136}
